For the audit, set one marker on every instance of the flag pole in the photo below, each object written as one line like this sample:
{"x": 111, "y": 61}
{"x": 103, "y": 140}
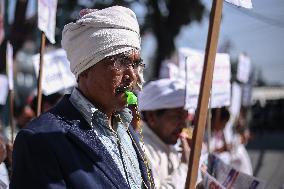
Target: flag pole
{"x": 9, "y": 71}
{"x": 206, "y": 83}
{"x": 39, "y": 83}
{"x": 11, "y": 120}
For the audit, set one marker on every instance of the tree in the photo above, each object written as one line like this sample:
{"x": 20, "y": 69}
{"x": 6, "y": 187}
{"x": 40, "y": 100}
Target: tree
{"x": 164, "y": 18}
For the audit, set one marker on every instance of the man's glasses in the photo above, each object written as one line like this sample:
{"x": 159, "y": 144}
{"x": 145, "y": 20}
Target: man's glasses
{"x": 123, "y": 62}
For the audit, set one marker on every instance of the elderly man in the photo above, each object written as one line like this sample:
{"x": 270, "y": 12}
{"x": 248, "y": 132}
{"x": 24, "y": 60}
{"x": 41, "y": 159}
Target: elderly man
{"x": 161, "y": 103}
{"x": 85, "y": 141}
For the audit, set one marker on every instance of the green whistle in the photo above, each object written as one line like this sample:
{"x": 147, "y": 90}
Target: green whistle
{"x": 131, "y": 98}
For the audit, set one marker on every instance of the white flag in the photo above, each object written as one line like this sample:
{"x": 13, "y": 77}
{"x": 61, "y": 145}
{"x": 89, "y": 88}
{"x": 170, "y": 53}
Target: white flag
{"x": 57, "y": 75}
{"x": 9, "y": 58}
{"x": 241, "y": 3}
{"x": 47, "y": 18}
{"x": 2, "y": 8}
{"x": 244, "y": 68}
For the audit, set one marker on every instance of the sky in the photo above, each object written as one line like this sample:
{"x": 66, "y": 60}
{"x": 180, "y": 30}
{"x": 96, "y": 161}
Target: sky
{"x": 259, "y": 32}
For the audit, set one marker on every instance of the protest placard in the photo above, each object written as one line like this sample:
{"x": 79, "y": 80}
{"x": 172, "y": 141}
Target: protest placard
{"x": 244, "y": 67}
{"x": 221, "y": 86}
{"x": 57, "y": 75}
{"x": 47, "y": 18}
{"x": 209, "y": 182}
{"x": 230, "y": 177}
{"x": 236, "y": 100}
{"x": 3, "y": 89}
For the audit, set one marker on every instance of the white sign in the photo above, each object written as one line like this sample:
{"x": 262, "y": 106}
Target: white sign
{"x": 221, "y": 87}
{"x": 56, "y": 74}
{"x": 10, "y": 65}
{"x": 47, "y": 18}
{"x": 244, "y": 66}
{"x": 3, "y": 89}
{"x": 209, "y": 182}
{"x": 236, "y": 100}
{"x": 230, "y": 177}
{"x": 241, "y": 3}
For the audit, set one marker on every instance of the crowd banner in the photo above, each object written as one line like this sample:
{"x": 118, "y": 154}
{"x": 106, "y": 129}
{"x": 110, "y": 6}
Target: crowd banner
{"x": 57, "y": 75}
{"x": 230, "y": 177}
{"x": 241, "y": 3}
{"x": 2, "y": 19}
{"x": 192, "y": 61}
{"x": 209, "y": 182}
{"x": 3, "y": 89}
{"x": 204, "y": 94}
{"x": 244, "y": 67}
{"x": 236, "y": 100}
{"x": 47, "y": 18}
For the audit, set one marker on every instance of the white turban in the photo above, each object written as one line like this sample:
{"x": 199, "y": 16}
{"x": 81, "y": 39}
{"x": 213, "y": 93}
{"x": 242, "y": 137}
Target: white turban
{"x": 99, "y": 34}
{"x": 162, "y": 94}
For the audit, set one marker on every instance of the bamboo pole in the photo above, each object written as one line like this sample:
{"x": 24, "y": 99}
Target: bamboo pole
{"x": 11, "y": 113}
{"x": 39, "y": 83}
{"x": 10, "y": 73}
{"x": 206, "y": 83}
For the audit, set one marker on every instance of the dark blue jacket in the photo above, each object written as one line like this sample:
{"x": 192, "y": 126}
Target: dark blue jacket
{"x": 60, "y": 150}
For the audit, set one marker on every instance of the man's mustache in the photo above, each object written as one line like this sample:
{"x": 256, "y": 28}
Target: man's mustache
{"x": 122, "y": 89}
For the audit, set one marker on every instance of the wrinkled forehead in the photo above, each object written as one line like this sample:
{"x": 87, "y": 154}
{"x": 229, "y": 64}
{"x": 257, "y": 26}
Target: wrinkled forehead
{"x": 133, "y": 54}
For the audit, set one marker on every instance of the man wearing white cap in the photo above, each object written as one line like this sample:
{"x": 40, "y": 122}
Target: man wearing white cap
{"x": 85, "y": 141}
{"x": 161, "y": 103}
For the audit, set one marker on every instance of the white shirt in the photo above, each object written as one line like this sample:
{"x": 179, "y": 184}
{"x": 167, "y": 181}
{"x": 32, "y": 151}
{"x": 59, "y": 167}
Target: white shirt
{"x": 167, "y": 168}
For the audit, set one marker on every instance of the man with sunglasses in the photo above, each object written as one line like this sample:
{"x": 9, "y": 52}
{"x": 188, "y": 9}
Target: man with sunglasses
{"x": 86, "y": 141}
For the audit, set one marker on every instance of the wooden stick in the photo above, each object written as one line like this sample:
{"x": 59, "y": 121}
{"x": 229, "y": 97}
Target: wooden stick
{"x": 39, "y": 87}
{"x": 209, "y": 129}
{"x": 10, "y": 73}
{"x": 206, "y": 83}
{"x": 11, "y": 117}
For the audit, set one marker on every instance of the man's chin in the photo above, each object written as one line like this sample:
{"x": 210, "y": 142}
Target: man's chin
{"x": 172, "y": 141}
{"x": 121, "y": 104}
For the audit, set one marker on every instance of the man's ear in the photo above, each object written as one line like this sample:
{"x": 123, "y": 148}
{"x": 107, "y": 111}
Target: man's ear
{"x": 151, "y": 118}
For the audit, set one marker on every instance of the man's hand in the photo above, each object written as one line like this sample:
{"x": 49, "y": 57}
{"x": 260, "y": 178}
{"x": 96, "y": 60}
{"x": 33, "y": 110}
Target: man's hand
{"x": 185, "y": 144}
{"x": 3, "y": 152}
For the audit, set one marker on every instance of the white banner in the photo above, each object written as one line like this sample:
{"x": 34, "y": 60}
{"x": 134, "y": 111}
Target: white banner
{"x": 244, "y": 67}
{"x": 209, "y": 182}
{"x": 3, "y": 89}
{"x": 10, "y": 65}
{"x": 230, "y": 177}
{"x": 47, "y": 18}
{"x": 236, "y": 100}
{"x": 221, "y": 87}
{"x": 56, "y": 72}
{"x": 241, "y": 3}
{"x": 2, "y": 19}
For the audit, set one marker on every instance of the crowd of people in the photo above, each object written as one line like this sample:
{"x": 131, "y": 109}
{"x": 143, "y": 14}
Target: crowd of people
{"x": 92, "y": 137}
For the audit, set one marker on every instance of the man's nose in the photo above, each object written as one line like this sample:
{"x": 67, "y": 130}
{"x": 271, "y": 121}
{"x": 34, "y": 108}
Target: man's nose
{"x": 130, "y": 75}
